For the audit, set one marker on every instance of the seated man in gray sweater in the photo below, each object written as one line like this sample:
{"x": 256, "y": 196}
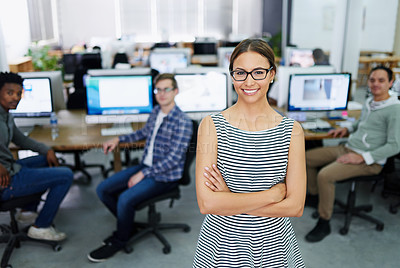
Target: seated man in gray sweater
{"x": 29, "y": 175}
{"x": 374, "y": 138}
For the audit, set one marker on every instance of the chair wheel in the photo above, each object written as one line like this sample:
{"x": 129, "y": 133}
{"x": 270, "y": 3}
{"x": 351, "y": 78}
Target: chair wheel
{"x": 392, "y": 209}
{"x": 8, "y": 266}
{"x": 315, "y": 215}
{"x": 369, "y": 209}
{"x": 343, "y": 231}
{"x": 128, "y": 249}
{"x": 57, "y": 248}
{"x": 186, "y": 229}
{"x": 166, "y": 250}
{"x": 379, "y": 227}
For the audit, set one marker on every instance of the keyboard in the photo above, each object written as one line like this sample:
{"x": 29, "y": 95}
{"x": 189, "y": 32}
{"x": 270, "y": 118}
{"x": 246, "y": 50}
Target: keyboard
{"x": 113, "y": 131}
{"x": 316, "y": 125}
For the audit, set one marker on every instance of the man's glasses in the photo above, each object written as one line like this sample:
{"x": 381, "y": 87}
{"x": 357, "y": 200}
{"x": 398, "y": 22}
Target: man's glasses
{"x": 257, "y": 74}
{"x": 164, "y": 90}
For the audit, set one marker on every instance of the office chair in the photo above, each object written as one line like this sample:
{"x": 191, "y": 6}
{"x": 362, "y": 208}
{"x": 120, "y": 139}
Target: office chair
{"x": 80, "y": 166}
{"x": 120, "y": 58}
{"x": 88, "y": 61}
{"x": 391, "y": 186}
{"x": 11, "y": 234}
{"x": 350, "y": 209}
{"x": 153, "y": 224}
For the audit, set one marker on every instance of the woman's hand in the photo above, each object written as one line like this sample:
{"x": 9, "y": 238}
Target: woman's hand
{"x": 279, "y": 191}
{"x": 214, "y": 179}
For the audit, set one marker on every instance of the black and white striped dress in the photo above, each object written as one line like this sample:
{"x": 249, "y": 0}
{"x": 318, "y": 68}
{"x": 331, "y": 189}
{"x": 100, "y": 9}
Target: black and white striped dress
{"x": 249, "y": 162}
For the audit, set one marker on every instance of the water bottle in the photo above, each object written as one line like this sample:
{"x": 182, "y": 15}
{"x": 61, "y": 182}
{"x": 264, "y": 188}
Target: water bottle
{"x": 54, "y": 126}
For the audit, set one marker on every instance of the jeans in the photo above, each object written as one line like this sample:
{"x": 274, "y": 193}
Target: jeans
{"x": 34, "y": 177}
{"x": 121, "y": 200}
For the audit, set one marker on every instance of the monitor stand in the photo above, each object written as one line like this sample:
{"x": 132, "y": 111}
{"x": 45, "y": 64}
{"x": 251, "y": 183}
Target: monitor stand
{"x": 117, "y": 129}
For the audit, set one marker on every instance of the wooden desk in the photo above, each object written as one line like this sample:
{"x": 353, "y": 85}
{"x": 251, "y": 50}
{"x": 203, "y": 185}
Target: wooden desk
{"x": 76, "y": 135}
{"x": 314, "y": 136}
{"x": 205, "y": 60}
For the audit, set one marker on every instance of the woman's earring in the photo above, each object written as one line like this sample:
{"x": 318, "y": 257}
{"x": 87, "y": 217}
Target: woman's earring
{"x": 272, "y": 81}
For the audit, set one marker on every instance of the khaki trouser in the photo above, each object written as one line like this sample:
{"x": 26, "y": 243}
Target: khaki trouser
{"x": 323, "y": 171}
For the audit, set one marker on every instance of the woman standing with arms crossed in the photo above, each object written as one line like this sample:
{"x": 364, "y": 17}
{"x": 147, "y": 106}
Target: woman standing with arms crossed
{"x": 250, "y": 173}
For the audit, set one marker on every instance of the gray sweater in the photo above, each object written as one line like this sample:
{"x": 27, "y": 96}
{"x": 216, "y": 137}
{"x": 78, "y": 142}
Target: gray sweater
{"x": 10, "y": 133}
{"x": 376, "y": 136}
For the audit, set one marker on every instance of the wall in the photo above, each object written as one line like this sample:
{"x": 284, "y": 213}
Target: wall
{"x": 397, "y": 35}
{"x": 3, "y": 56}
{"x": 250, "y": 18}
{"x": 312, "y": 24}
{"x": 79, "y": 20}
{"x": 380, "y": 25}
{"x": 15, "y": 25}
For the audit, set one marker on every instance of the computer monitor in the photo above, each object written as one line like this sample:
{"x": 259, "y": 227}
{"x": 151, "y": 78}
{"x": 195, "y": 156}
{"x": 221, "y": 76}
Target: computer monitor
{"x": 203, "y": 90}
{"x": 70, "y": 63}
{"x": 57, "y": 86}
{"x": 319, "y": 92}
{"x": 283, "y": 76}
{"x": 36, "y": 103}
{"x": 117, "y": 72}
{"x": 205, "y": 48}
{"x": 224, "y": 55}
{"x": 118, "y": 99}
{"x": 299, "y": 57}
{"x": 166, "y": 60}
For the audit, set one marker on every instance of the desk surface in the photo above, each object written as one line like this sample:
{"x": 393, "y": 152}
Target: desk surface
{"x": 76, "y": 135}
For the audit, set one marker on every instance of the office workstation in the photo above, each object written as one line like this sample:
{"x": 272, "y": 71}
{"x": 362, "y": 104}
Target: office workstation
{"x": 313, "y": 95}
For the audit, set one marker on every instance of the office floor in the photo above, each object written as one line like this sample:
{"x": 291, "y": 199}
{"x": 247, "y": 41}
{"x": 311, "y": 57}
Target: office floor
{"x": 87, "y": 223}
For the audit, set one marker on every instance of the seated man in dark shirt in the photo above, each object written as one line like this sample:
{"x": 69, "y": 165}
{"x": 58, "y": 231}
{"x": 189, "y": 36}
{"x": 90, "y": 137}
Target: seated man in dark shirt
{"x": 30, "y": 175}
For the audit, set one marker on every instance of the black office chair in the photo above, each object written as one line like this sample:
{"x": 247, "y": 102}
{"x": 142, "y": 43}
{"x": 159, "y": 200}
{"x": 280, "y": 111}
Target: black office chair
{"x": 11, "y": 234}
{"x": 391, "y": 186}
{"x": 120, "y": 58}
{"x": 81, "y": 166}
{"x": 350, "y": 209}
{"x": 153, "y": 224}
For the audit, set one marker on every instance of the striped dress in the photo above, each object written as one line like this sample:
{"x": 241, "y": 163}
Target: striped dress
{"x": 249, "y": 162}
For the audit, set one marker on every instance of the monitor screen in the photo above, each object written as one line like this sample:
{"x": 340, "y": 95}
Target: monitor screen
{"x": 203, "y": 91}
{"x": 119, "y": 95}
{"x": 224, "y": 56}
{"x": 36, "y": 98}
{"x": 283, "y": 76}
{"x": 299, "y": 57}
{"x": 167, "y": 63}
{"x": 204, "y": 48}
{"x": 57, "y": 86}
{"x": 166, "y": 60}
{"x": 318, "y": 92}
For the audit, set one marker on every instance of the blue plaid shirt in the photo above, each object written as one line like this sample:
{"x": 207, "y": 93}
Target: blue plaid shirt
{"x": 170, "y": 144}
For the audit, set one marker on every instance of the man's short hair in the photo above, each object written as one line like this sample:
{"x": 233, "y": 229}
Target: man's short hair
{"x": 9, "y": 77}
{"x": 381, "y": 67}
{"x": 165, "y": 76}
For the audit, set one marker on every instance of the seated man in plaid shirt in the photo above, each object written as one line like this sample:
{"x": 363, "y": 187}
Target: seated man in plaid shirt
{"x": 167, "y": 132}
